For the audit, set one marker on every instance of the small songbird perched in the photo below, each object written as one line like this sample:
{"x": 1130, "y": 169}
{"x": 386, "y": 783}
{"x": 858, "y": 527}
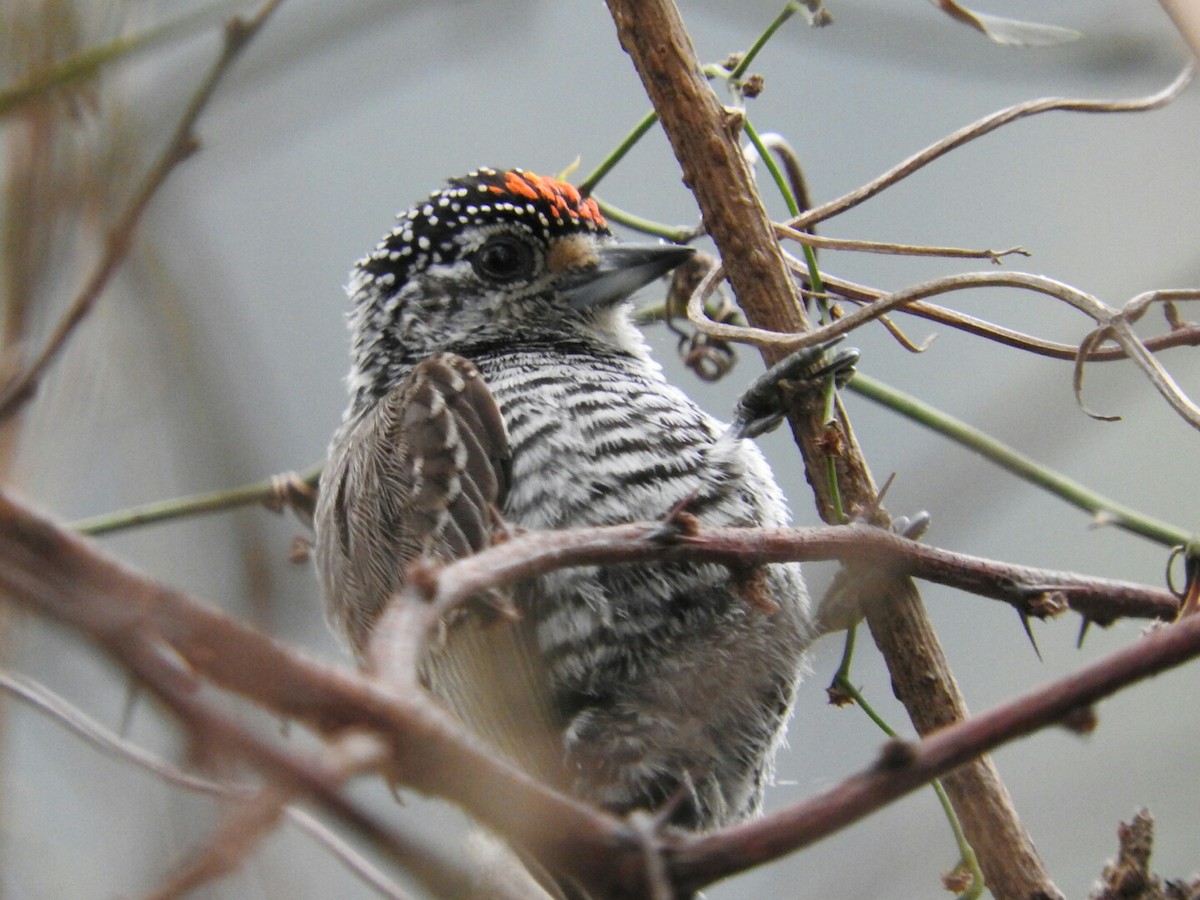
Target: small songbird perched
{"x": 495, "y": 367}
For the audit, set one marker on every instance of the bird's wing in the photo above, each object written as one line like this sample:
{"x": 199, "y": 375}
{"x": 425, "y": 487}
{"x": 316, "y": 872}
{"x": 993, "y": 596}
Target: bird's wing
{"x": 419, "y": 476}
{"x": 415, "y": 477}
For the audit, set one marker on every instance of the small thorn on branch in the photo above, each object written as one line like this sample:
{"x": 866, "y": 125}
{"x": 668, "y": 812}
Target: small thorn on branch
{"x": 502, "y": 529}
{"x": 1048, "y": 603}
{"x": 1081, "y": 720}
{"x": 423, "y": 578}
{"x": 501, "y": 603}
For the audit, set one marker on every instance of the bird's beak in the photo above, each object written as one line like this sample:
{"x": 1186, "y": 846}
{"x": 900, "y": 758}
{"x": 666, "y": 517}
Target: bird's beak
{"x": 620, "y": 269}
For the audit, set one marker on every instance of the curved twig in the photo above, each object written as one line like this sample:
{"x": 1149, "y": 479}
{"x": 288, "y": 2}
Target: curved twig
{"x": 1117, "y": 326}
{"x": 981, "y": 127}
{"x": 1114, "y": 325}
{"x": 815, "y": 240}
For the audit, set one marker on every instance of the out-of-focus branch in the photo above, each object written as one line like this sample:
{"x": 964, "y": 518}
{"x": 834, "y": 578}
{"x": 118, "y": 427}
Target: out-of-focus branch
{"x": 182, "y": 144}
{"x": 1186, "y": 17}
{"x": 247, "y": 823}
{"x": 178, "y": 648}
{"x": 153, "y": 631}
{"x": 86, "y": 63}
{"x": 48, "y": 703}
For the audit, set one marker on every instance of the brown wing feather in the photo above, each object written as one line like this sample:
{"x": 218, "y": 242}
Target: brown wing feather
{"x": 418, "y": 477}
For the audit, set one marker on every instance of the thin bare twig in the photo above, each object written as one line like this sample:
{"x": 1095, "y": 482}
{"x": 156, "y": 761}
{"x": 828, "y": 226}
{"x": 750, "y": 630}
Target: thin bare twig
{"x": 1180, "y": 335}
{"x": 75, "y": 720}
{"x": 979, "y": 129}
{"x": 58, "y": 709}
{"x": 1114, "y": 324}
{"x": 182, "y": 144}
{"x": 1117, "y": 326}
{"x": 828, "y": 243}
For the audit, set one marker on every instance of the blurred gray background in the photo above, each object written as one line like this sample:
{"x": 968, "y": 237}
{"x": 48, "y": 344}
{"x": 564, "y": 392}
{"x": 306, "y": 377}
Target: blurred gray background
{"x": 217, "y": 358}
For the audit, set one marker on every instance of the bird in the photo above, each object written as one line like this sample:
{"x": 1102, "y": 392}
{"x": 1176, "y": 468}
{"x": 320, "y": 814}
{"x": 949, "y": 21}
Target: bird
{"x": 497, "y": 376}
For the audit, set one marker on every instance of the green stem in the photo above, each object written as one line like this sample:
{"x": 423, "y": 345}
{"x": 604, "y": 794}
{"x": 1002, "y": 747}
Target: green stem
{"x": 589, "y": 184}
{"x": 810, "y": 255}
{"x": 966, "y": 852}
{"x": 180, "y": 507}
{"x": 842, "y": 675}
{"x": 777, "y": 176}
{"x": 835, "y": 493}
{"x": 1104, "y": 508}
{"x": 789, "y": 10}
{"x": 676, "y": 234}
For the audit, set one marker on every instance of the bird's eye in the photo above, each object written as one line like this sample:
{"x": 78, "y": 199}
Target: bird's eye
{"x": 503, "y": 258}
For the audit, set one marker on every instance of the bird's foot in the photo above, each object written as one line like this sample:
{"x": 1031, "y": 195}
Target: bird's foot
{"x": 761, "y": 407}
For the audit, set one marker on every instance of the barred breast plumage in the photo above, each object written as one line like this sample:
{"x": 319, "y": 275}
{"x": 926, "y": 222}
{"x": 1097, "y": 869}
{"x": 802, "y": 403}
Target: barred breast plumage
{"x": 495, "y": 364}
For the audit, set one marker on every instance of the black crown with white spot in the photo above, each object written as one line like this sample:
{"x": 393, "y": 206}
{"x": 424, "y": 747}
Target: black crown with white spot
{"x": 426, "y": 234}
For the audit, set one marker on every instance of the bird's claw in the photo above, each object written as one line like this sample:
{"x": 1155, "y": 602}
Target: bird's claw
{"x": 760, "y": 409}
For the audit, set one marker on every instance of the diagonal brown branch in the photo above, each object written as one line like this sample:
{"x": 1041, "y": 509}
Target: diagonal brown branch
{"x": 904, "y": 767}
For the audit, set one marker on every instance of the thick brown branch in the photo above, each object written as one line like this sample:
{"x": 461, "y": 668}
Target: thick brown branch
{"x": 142, "y": 623}
{"x": 703, "y": 135}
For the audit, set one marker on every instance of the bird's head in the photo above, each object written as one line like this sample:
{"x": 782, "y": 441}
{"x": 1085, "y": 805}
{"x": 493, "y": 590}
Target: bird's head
{"x": 495, "y": 259}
